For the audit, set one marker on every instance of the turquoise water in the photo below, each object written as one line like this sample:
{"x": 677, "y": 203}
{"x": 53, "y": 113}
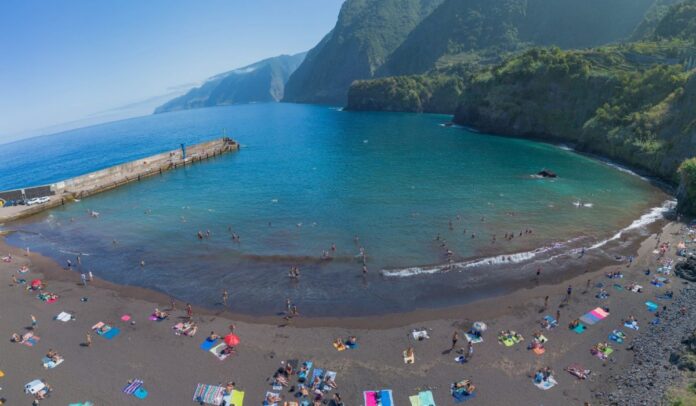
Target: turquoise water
{"x": 308, "y": 177}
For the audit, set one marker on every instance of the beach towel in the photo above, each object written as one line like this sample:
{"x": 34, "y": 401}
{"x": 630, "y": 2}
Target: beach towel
{"x": 140, "y": 393}
{"x": 547, "y": 384}
{"x": 460, "y": 359}
{"x": 82, "y": 404}
{"x": 217, "y": 351}
{"x": 132, "y": 386}
{"x": 208, "y": 344}
{"x": 420, "y": 335}
{"x": 506, "y": 341}
{"x": 234, "y": 399}
{"x": 415, "y": 400}
{"x": 126, "y": 317}
{"x": 475, "y": 339}
{"x": 580, "y": 328}
{"x": 210, "y": 394}
{"x": 460, "y": 397}
{"x": 617, "y": 336}
{"x": 302, "y": 375}
{"x": 617, "y": 287}
{"x": 351, "y": 346}
{"x": 30, "y": 340}
{"x": 539, "y": 350}
{"x": 34, "y": 387}
{"x": 317, "y": 373}
{"x": 652, "y": 306}
{"x": 49, "y": 363}
{"x": 636, "y": 288}
{"x": 385, "y": 396}
{"x": 632, "y": 325}
{"x": 426, "y": 398}
{"x": 112, "y": 333}
{"x": 64, "y": 317}
{"x": 272, "y": 395}
{"x": 594, "y": 316}
{"x": 551, "y": 321}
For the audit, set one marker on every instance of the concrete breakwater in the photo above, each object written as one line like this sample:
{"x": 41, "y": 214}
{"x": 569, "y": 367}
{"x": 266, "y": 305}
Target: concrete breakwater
{"x": 109, "y": 178}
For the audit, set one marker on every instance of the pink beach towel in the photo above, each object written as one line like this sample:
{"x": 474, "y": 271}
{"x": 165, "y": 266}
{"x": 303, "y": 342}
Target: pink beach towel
{"x": 599, "y": 313}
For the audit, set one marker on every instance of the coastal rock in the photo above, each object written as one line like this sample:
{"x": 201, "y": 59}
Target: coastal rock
{"x": 687, "y": 269}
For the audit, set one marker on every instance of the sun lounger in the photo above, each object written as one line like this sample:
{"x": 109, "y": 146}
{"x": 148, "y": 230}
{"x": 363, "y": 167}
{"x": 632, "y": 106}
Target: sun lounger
{"x": 49, "y": 363}
{"x": 210, "y": 394}
{"x": 385, "y": 396}
{"x": 547, "y": 384}
{"x": 64, "y": 317}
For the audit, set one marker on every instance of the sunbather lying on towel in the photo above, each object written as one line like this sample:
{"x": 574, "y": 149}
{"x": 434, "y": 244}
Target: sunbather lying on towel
{"x": 189, "y": 328}
{"x": 160, "y": 315}
{"x": 578, "y": 371}
{"x": 602, "y": 294}
{"x": 53, "y": 356}
{"x": 510, "y": 335}
{"x": 574, "y": 324}
{"x": 43, "y": 393}
{"x": 16, "y": 338}
{"x": 464, "y": 386}
{"x": 272, "y": 398}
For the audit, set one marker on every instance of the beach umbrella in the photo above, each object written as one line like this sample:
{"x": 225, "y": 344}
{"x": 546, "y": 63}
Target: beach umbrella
{"x": 231, "y": 340}
{"x": 480, "y": 326}
{"x": 36, "y": 283}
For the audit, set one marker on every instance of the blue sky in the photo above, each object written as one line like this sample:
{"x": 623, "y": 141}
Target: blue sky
{"x": 84, "y": 61}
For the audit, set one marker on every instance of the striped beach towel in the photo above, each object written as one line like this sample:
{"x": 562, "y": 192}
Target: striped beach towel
{"x": 210, "y": 394}
{"x": 594, "y": 316}
{"x": 133, "y": 386}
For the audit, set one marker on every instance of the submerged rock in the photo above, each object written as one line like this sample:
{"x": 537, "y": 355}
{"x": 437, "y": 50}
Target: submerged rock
{"x": 545, "y": 173}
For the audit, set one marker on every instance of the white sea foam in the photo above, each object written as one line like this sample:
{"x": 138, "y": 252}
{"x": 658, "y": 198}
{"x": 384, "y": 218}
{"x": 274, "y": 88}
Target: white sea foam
{"x": 655, "y": 214}
{"x": 623, "y": 169}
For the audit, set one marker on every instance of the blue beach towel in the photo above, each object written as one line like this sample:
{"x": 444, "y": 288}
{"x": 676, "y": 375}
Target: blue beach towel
{"x": 318, "y": 372}
{"x": 208, "y": 344}
{"x": 140, "y": 393}
{"x": 303, "y": 374}
{"x": 652, "y": 306}
{"x": 460, "y": 397}
{"x": 426, "y": 398}
{"x": 580, "y": 328}
{"x": 112, "y": 333}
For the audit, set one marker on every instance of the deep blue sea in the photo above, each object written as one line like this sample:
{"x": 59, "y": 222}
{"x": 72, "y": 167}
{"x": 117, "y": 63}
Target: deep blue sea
{"x": 308, "y": 177}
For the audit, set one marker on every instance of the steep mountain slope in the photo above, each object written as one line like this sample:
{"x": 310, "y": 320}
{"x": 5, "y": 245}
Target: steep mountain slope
{"x": 473, "y": 29}
{"x": 263, "y": 81}
{"x": 366, "y": 33}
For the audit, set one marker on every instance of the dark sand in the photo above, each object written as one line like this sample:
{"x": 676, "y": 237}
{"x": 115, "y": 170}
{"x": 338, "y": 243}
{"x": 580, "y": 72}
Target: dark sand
{"x": 171, "y": 365}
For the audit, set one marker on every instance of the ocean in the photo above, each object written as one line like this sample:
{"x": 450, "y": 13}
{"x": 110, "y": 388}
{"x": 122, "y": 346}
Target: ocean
{"x": 402, "y": 188}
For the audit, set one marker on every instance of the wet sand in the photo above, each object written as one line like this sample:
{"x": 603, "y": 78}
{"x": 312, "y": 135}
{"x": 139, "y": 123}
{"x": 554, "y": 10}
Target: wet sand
{"x": 171, "y": 365}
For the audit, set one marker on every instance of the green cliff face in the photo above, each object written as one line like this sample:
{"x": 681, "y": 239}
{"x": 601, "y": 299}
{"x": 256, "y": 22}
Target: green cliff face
{"x": 491, "y": 28}
{"x": 366, "y": 33}
{"x": 687, "y": 187}
{"x": 263, "y": 81}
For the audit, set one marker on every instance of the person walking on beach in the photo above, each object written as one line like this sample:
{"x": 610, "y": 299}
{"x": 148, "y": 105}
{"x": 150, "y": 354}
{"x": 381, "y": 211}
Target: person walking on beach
{"x": 455, "y": 339}
{"x": 538, "y": 274}
{"x": 172, "y": 305}
{"x": 587, "y": 287}
{"x": 546, "y": 303}
{"x": 469, "y": 351}
{"x": 225, "y": 296}
{"x": 558, "y": 315}
{"x": 189, "y": 311}
{"x": 88, "y": 343}
{"x": 90, "y": 276}
{"x": 33, "y": 322}
{"x": 83, "y": 277}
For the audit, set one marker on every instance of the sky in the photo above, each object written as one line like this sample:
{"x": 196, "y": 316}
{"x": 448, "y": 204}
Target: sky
{"x": 66, "y": 64}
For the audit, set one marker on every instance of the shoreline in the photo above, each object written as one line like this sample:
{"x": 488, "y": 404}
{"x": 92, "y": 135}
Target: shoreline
{"x": 52, "y": 271}
{"x": 150, "y": 351}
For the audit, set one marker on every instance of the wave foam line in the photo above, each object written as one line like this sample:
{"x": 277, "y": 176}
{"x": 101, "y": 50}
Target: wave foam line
{"x": 655, "y": 214}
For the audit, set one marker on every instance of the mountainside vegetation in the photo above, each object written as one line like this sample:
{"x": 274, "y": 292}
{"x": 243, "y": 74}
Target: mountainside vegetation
{"x": 263, "y": 81}
{"x": 633, "y": 102}
{"x": 366, "y": 33}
